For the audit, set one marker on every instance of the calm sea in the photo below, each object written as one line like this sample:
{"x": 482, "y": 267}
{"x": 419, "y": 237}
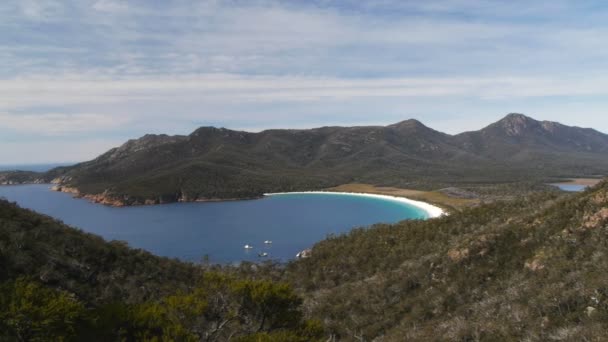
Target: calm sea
{"x": 190, "y": 231}
{"x": 32, "y": 167}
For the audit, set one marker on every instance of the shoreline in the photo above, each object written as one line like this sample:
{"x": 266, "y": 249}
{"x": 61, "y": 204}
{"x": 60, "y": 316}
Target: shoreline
{"x": 431, "y": 210}
{"x": 589, "y": 182}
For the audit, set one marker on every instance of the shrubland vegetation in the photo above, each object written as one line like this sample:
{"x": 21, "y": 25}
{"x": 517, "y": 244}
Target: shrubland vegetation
{"x": 62, "y": 284}
{"x": 529, "y": 269}
{"x": 20, "y": 177}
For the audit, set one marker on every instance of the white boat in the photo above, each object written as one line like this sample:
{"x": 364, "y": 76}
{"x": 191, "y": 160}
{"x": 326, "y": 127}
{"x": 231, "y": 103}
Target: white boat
{"x": 248, "y": 247}
{"x": 268, "y": 242}
{"x": 263, "y": 254}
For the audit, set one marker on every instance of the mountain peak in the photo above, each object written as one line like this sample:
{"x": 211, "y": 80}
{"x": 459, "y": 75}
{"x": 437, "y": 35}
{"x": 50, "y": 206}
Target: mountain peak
{"x": 203, "y": 130}
{"x": 409, "y": 124}
{"x": 517, "y": 117}
{"x": 516, "y": 124}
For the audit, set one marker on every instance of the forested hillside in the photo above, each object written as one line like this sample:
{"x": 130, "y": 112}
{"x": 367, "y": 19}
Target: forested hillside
{"x": 57, "y": 283}
{"x": 532, "y": 269}
{"x": 217, "y": 163}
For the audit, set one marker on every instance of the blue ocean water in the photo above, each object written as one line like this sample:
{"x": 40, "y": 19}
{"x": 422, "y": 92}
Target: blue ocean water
{"x": 190, "y": 231}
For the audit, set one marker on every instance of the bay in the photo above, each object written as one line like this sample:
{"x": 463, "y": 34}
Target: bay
{"x": 218, "y": 230}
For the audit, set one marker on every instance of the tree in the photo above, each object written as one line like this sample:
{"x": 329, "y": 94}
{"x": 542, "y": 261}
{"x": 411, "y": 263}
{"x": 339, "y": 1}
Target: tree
{"x": 268, "y": 306}
{"x": 31, "y": 312}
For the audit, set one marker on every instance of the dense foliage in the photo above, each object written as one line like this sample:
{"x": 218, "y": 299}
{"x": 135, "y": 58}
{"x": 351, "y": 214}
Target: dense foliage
{"x": 58, "y": 283}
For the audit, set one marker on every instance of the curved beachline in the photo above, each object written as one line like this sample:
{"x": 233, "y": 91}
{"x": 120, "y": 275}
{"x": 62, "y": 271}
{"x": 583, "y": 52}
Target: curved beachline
{"x": 431, "y": 210}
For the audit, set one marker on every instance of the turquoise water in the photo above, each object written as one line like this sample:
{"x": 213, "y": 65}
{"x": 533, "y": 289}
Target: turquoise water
{"x": 571, "y": 187}
{"x": 190, "y": 231}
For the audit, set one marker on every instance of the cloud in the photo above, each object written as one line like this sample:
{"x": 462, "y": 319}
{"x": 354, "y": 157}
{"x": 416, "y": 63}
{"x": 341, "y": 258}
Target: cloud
{"x": 49, "y": 91}
{"x": 314, "y": 38}
{"x": 41, "y": 10}
{"x": 54, "y": 151}
{"x": 176, "y": 105}
{"x": 58, "y": 124}
{"x": 111, "y": 6}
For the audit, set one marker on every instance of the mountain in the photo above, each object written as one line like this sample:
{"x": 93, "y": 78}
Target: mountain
{"x": 217, "y": 163}
{"x": 518, "y": 138}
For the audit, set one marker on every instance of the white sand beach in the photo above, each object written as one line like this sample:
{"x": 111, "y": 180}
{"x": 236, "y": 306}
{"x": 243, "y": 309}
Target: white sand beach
{"x": 431, "y": 210}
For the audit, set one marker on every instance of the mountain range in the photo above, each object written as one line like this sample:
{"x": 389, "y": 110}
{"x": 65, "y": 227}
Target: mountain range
{"x": 218, "y": 164}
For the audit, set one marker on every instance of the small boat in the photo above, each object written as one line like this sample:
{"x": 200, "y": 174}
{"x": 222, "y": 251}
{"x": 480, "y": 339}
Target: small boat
{"x": 248, "y": 247}
{"x": 268, "y": 242}
{"x": 263, "y": 254}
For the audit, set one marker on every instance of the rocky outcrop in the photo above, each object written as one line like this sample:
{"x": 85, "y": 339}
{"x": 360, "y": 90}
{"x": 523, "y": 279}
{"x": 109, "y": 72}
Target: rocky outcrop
{"x": 307, "y": 253}
{"x": 61, "y": 180}
{"x": 104, "y": 198}
{"x": 457, "y": 255}
{"x": 148, "y": 141}
{"x": 596, "y": 220}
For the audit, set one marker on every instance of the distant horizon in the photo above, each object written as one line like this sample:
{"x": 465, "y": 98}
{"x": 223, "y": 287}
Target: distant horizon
{"x": 34, "y": 164}
{"x": 36, "y": 167}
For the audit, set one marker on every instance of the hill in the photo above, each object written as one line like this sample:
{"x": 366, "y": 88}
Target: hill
{"x": 217, "y": 163}
{"x": 60, "y": 284}
{"x": 529, "y": 269}
{"x": 525, "y": 270}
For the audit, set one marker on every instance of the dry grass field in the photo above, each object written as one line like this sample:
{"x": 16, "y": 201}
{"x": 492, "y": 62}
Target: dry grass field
{"x": 433, "y": 197}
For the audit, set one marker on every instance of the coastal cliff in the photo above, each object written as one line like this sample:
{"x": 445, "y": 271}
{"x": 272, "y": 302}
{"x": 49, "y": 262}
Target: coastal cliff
{"x": 103, "y": 198}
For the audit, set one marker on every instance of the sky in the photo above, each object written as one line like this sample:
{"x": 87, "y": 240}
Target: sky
{"x": 78, "y": 77}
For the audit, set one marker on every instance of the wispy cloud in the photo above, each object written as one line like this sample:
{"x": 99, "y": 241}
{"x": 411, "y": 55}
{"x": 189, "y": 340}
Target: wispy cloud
{"x": 59, "y": 124}
{"x": 272, "y": 37}
{"x": 111, "y": 6}
{"x": 41, "y": 10}
{"x": 40, "y": 91}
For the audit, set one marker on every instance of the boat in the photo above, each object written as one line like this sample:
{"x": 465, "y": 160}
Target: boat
{"x": 248, "y": 247}
{"x": 263, "y": 254}
{"x": 268, "y": 242}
